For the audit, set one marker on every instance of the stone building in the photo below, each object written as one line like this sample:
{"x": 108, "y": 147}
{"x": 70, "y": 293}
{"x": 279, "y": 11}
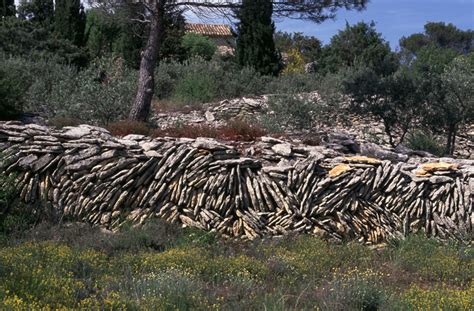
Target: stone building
{"x": 220, "y": 34}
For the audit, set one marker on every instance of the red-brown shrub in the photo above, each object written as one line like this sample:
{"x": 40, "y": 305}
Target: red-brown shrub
{"x": 189, "y": 131}
{"x": 234, "y": 130}
{"x": 123, "y": 128}
{"x": 241, "y": 131}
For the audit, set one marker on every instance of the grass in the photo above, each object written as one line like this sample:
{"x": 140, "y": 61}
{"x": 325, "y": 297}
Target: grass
{"x": 162, "y": 267}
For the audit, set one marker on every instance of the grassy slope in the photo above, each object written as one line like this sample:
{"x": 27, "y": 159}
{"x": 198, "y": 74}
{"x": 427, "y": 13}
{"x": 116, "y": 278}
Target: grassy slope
{"x": 166, "y": 268}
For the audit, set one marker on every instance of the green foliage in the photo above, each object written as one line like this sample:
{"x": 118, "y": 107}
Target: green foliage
{"x": 14, "y": 82}
{"x": 7, "y": 8}
{"x": 159, "y": 266}
{"x": 119, "y": 33}
{"x": 440, "y": 36}
{"x": 458, "y": 80}
{"x": 70, "y": 20}
{"x": 361, "y": 290}
{"x": 292, "y": 110}
{"x": 8, "y": 193}
{"x": 255, "y": 45}
{"x": 38, "y": 11}
{"x": 220, "y": 80}
{"x": 435, "y": 261}
{"x": 22, "y": 38}
{"x": 308, "y": 46}
{"x": 114, "y": 33}
{"x": 195, "y": 88}
{"x": 359, "y": 44}
{"x": 291, "y": 84}
{"x": 100, "y": 94}
{"x": 425, "y": 141}
{"x": 197, "y": 45}
{"x": 394, "y": 99}
{"x": 438, "y": 298}
{"x": 445, "y": 81}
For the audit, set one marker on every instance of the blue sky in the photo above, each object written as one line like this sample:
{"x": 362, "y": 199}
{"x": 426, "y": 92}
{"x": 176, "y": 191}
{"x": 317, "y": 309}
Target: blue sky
{"x": 393, "y": 18}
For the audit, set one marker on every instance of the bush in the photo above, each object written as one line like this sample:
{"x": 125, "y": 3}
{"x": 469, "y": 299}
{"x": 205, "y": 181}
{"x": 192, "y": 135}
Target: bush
{"x": 198, "y": 45}
{"x": 435, "y": 261}
{"x": 296, "y": 63}
{"x": 195, "y": 88}
{"x": 15, "y": 80}
{"x": 124, "y": 128}
{"x": 189, "y": 131}
{"x": 220, "y": 79}
{"x": 238, "y": 130}
{"x": 99, "y": 94}
{"x": 8, "y": 199}
{"x": 292, "y": 84}
{"x": 241, "y": 131}
{"x": 441, "y": 298}
{"x": 355, "y": 290}
{"x": 424, "y": 141}
{"x": 292, "y": 111}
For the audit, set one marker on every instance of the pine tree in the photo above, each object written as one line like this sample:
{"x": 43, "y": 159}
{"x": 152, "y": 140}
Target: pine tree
{"x": 70, "y": 20}
{"x": 255, "y": 45}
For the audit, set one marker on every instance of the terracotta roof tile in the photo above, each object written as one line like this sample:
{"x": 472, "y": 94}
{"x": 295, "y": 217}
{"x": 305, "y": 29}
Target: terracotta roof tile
{"x": 213, "y": 30}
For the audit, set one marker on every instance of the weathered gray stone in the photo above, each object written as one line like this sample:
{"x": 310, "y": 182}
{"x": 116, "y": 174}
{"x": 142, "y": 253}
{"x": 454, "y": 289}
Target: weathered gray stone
{"x": 282, "y": 149}
{"x": 207, "y": 184}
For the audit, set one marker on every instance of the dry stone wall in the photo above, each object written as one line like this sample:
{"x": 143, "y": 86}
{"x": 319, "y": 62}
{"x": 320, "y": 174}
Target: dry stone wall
{"x": 88, "y": 175}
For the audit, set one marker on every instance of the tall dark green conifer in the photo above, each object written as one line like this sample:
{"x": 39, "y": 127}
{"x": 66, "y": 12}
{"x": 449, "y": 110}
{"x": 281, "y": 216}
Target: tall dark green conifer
{"x": 70, "y": 20}
{"x": 7, "y": 7}
{"x": 255, "y": 45}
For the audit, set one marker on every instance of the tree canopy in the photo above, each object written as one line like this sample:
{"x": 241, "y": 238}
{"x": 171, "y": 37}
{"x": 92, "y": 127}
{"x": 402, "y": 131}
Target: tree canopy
{"x": 358, "y": 44}
{"x": 255, "y": 45}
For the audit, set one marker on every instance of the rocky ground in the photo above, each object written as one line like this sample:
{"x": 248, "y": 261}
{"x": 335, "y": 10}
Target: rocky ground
{"x": 348, "y": 130}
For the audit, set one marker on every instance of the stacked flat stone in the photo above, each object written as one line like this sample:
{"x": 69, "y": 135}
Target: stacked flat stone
{"x": 88, "y": 175}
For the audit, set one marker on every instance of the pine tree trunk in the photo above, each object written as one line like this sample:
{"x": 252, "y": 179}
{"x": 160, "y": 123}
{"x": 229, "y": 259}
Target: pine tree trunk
{"x": 146, "y": 81}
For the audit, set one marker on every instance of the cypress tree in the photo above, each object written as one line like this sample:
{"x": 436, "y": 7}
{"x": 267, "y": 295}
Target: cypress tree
{"x": 255, "y": 45}
{"x": 7, "y": 7}
{"x": 70, "y": 20}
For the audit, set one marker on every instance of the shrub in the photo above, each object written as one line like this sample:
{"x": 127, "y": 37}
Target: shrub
{"x": 438, "y": 298}
{"x": 292, "y": 111}
{"x": 198, "y": 45}
{"x": 295, "y": 63}
{"x": 241, "y": 131}
{"x": 126, "y": 127}
{"x": 168, "y": 290}
{"x": 15, "y": 80}
{"x": 238, "y": 130}
{"x": 189, "y": 131}
{"x": 8, "y": 191}
{"x": 199, "y": 81}
{"x": 424, "y": 141}
{"x": 100, "y": 94}
{"x": 195, "y": 88}
{"x": 292, "y": 84}
{"x": 309, "y": 258}
{"x": 435, "y": 261}
{"x": 43, "y": 274}
{"x": 355, "y": 290}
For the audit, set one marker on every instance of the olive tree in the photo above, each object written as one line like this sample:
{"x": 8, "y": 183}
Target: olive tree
{"x": 457, "y": 108}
